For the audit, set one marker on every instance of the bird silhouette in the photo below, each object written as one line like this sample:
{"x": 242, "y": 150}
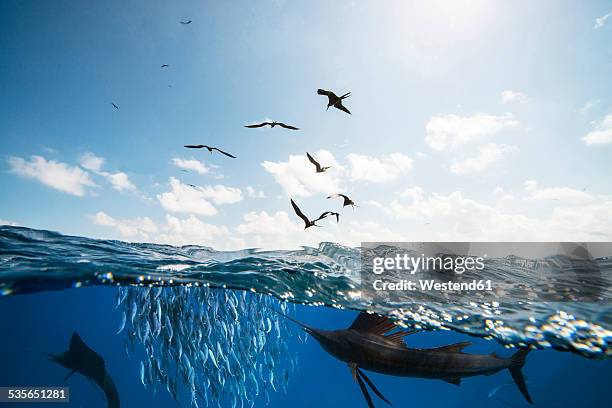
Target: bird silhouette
{"x": 210, "y": 149}
{"x": 320, "y": 169}
{"x": 328, "y": 213}
{"x": 307, "y": 222}
{"x": 272, "y": 124}
{"x": 335, "y": 100}
{"x": 347, "y": 201}
{"x": 165, "y": 66}
{"x": 186, "y": 21}
{"x": 114, "y": 105}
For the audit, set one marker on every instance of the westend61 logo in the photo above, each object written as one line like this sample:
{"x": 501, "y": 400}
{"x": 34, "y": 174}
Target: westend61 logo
{"x": 485, "y": 271}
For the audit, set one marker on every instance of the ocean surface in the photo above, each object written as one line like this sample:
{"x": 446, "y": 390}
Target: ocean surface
{"x": 194, "y": 326}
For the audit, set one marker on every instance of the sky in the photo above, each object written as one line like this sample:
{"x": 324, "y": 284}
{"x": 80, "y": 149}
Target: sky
{"x": 471, "y": 120}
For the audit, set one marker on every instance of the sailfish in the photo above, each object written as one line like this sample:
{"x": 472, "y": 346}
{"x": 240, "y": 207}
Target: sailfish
{"x": 80, "y": 358}
{"x": 374, "y": 343}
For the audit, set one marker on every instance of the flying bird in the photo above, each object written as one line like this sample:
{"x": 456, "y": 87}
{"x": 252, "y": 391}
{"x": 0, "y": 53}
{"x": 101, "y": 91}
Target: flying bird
{"x": 347, "y": 201}
{"x": 114, "y": 105}
{"x": 210, "y": 149}
{"x": 328, "y": 213}
{"x": 165, "y": 66}
{"x": 335, "y": 100}
{"x": 375, "y": 343}
{"x": 319, "y": 168}
{"x": 272, "y": 124}
{"x": 307, "y": 223}
{"x": 186, "y": 21}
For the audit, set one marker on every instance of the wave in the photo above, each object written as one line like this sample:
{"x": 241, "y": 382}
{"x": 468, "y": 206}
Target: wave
{"x": 329, "y": 275}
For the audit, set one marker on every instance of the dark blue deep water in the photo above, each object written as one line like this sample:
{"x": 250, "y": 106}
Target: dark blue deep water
{"x": 224, "y": 303}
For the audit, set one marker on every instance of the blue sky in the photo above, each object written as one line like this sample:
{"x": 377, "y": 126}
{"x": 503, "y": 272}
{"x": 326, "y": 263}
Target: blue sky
{"x": 472, "y": 120}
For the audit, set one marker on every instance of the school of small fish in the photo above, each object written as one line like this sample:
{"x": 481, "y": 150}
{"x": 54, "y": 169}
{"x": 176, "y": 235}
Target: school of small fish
{"x": 220, "y": 347}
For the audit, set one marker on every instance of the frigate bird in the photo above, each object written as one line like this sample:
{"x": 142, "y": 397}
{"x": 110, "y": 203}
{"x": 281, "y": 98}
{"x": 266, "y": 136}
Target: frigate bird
{"x": 319, "y": 168}
{"x": 347, "y": 201}
{"x": 165, "y": 66}
{"x": 210, "y": 149}
{"x": 186, "y": 21}
{"x": 272, "y": 124}
{"x": 335, "y": 100}
{"x": 80, "y": 358}
{"x": 114, "y": 105}
{"x": 307, "y": 222}
{"x": 328, "y": 213}
{"x": 375, "y": 343}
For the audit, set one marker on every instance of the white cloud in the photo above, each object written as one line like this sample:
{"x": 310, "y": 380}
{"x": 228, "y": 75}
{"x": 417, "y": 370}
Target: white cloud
{"x": 252, "y": 192}
{"x": 184, "y": 198}
{"x": 462, "y": 219}
{"x": 509, "y": 96}
{"x": 488, "y": 154}
{"x": 192, "y": 231}
{"x": 601, "y": 21}
{"x": 279, "y": 231}
{"x": 220, "y": 194}
{"x": 449, "y": 131}
{"x": 191, "y": 164}
{"x": 140, "y": 227}
{"x": 119, "y": 180}
{"x": 6, "y": 222}
{"x": 601, "y": 134}
{"x": 262, "y": 223}
{"x": 60, "y": 176}
{"x": 297, "y": 176}
{"x": 91, "y": 162}
{"x": 556, "y": 193}
{"x": 374, "y": 169}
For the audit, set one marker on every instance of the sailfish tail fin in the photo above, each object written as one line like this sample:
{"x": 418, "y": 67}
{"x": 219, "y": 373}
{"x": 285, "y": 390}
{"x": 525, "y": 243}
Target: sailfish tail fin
{"x": 519, "y": 359}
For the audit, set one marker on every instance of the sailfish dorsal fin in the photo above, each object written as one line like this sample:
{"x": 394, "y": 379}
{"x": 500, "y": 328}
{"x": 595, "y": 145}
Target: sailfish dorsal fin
{"x": 380, "y": 326}
{"x": 453, "y": 348}
{"x": 372, "y": 323}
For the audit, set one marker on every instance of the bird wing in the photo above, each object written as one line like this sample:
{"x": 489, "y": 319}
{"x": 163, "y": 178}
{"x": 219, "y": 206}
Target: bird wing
{"x": 324, "y": 215}
{"x": 313, "y": 161}
{"x": 115, "y": 106}
{"x": 342, "y": 108}
{"x": 287, "y": 126}
{"x": 334, "y": 195}
{"x": 299, "y": 212}
{"x": 225, "y": 153}
{"x": 257, "y": 125}
{"x": 324, "y": 92}
{"x": 194, "y": 146}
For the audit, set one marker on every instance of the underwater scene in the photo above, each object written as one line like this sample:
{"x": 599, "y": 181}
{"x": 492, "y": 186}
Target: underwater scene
{"x": 305, "y": 203}
{"x": 197, "y": 327}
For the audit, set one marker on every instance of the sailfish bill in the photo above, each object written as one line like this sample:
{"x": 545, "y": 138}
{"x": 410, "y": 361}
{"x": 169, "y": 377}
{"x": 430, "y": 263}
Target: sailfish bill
{"x": 375, "y": 343}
